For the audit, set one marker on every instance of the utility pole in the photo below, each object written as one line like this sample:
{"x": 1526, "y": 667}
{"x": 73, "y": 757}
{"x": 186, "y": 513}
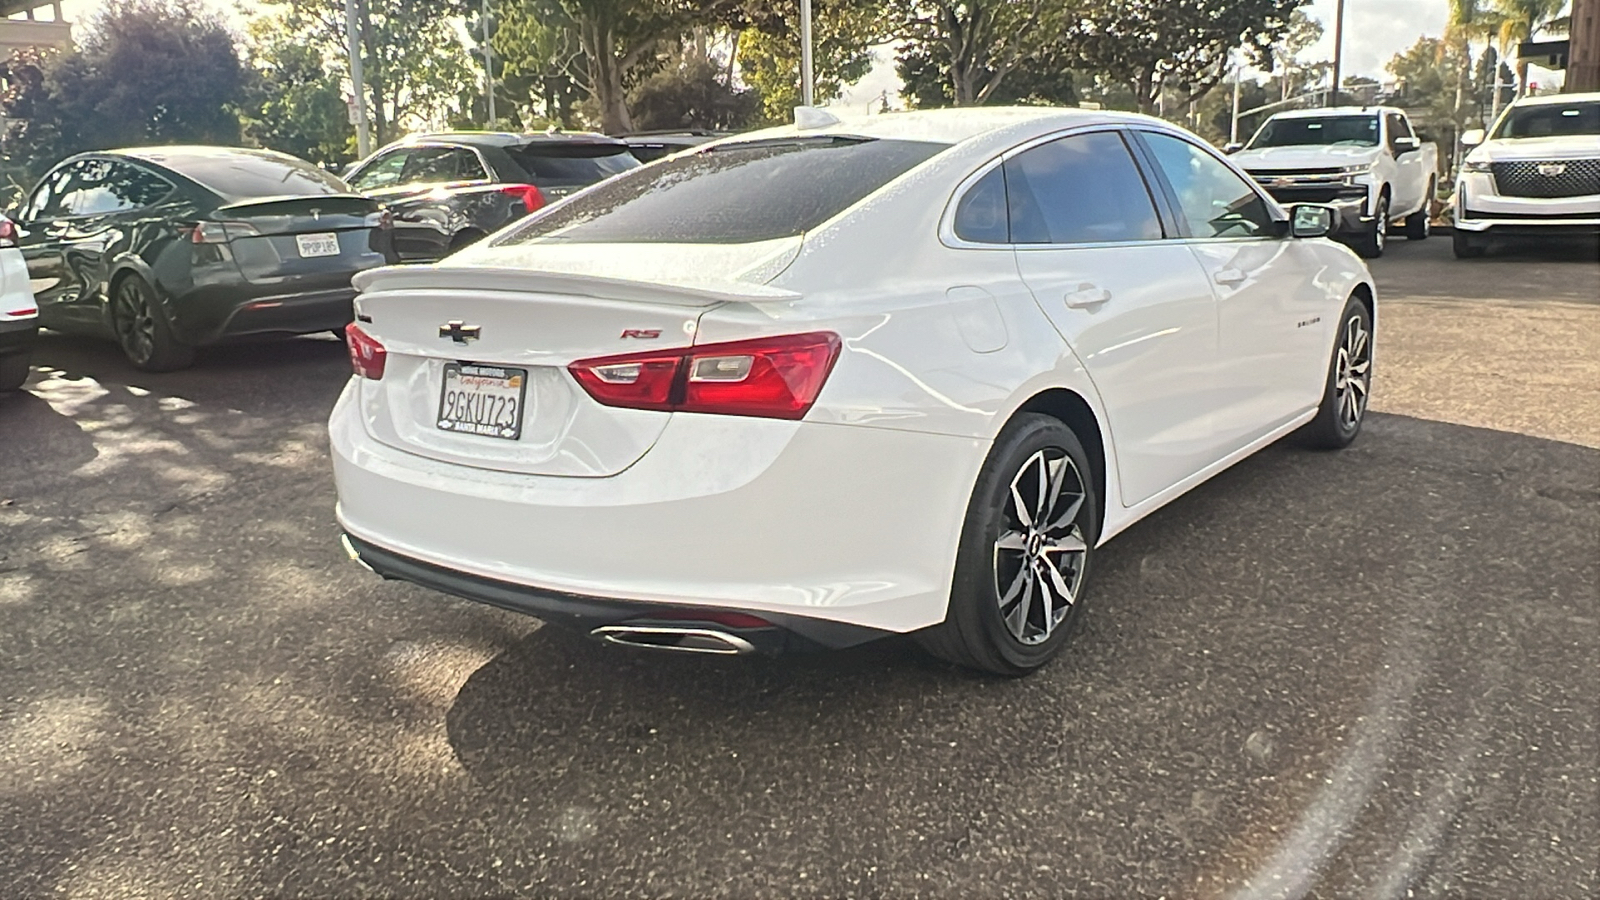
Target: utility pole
{"x": 358, "y": 81}
{"x": 488, "y": 65}
{"x": 1338, "y": 51}
{"x": 1233, "y": 127}
{"x": 808, "y": 86}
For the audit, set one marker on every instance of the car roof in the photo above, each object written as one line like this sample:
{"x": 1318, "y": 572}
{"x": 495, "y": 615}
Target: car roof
{"x": 1333, "y": 111}
{"x": 1558, "y": 99}
{"x": 949, "y": 126}
{"x": 507, "y": 138}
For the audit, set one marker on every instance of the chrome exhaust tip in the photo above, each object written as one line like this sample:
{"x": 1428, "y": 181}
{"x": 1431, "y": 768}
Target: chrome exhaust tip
{"x": 667, "y": 637}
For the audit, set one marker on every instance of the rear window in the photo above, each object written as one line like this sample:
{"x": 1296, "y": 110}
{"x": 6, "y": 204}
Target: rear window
{"x": 1545, "y": 120}
{"x": 732, "y": 193}
{"x": 574, "y": 164}
{"x": 243, "y": 176}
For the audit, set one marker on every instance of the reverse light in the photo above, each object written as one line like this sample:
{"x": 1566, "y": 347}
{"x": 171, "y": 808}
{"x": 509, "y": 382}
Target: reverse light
{"x": 532, "y": 198}
{"x": 367, "y": 356}
{"x": 773, "y": 377}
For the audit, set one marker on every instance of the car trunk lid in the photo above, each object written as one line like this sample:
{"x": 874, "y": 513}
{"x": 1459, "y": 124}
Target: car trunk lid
{"x": 301, "y": 242}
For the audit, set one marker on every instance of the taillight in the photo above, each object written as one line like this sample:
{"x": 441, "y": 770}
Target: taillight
{"x": 532, "y": 198}
{"x": 8, "y": 233}
{"x": 775, "y": 377}
{"x": 218, "y": 233}
{"x": 367, "y": 356}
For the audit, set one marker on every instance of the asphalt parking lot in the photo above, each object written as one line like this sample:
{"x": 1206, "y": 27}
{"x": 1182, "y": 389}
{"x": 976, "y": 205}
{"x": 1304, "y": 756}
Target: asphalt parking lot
{"x": 1370, "y": 673}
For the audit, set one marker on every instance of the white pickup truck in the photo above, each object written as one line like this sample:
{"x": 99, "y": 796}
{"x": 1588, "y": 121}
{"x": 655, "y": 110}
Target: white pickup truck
{"x": 1365, "y": 162}
{"x": 1537, "y": 174}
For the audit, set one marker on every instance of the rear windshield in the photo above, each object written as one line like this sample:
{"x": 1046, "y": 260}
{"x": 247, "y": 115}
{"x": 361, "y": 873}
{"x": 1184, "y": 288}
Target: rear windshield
{"x": 1543, "y": 120}
{"x": 576, "y": 164}
{"x": 1302, "y": 131}
{"x": 243, "y": 176}
{"x": 732, "y": 193}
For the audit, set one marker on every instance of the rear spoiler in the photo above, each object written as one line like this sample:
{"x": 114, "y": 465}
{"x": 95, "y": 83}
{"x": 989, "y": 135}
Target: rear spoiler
{"x": 495, "y": 278}
{"x": 291, "y": 204}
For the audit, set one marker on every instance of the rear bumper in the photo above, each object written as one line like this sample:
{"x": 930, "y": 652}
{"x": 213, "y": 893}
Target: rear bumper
{"x": 219, "y": 313}
{"x": 832, "y": 523}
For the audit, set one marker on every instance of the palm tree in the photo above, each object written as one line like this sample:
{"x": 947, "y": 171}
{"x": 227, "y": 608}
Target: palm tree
{"x": 1520, "y": 20}
{"x": 1468, "y": 21}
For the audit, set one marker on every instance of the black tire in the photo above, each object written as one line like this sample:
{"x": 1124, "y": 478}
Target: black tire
{"x": 142, "y": 329}
{"x": 1466, "y": 245}
{"x": 1370, "y": 244}
{"x": 13, "y": 371}
{"x": 1419, "y": 225}
{"x": 1348, "y": 385}
{"x": 981, "y": 629}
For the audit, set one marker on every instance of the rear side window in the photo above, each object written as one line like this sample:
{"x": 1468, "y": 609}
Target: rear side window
{"x": 572, "y": 164}
{"x": 1081, "y": 189}
{"x": 97, "y": 187}
{"x": 732, "y": 193}
{"x": 981, "y": 215}
{"x": 435, "y": 165}
{"x": 244, "y": 176}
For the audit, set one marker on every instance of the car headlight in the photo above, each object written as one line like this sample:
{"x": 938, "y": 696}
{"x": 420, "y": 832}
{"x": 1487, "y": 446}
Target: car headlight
{"x": 1475, "y": 167}
{"x": 1357, "y": 170}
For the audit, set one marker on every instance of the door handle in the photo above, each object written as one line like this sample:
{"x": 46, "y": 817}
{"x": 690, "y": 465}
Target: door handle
{"x": 1086, "y": 295}
{"x": 1229, "y": 275}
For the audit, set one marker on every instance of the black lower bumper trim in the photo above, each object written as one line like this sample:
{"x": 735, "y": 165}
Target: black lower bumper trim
{"x": 584, "y": 613}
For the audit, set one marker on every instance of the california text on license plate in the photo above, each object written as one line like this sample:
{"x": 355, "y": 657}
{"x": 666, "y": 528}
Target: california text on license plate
{"x": 483, "y": 400}
{"x": 323, "y": 243}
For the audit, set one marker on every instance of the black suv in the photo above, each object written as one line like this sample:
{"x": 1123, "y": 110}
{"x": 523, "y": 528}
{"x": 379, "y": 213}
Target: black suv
{"x": 448, "y": 190}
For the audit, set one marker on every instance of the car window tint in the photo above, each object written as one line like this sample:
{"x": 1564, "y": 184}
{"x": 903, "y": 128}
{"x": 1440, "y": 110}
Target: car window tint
{"x": 1215, "y": 201}
{"x": 49, "y": 198}
{"x": 1547, "y": 119}
{"x": 435, "y": 165}
{"x": 981, "y": 214}
{"x": 100, "y": 186}
{"x": 733, "y": 193}
{"x": 245, "y": 175}
{"x": 1078, "y": 190}
{"x": 1398, "y": 127}
{"x": 381, "y": 172}
{"x": 572, "y": 164}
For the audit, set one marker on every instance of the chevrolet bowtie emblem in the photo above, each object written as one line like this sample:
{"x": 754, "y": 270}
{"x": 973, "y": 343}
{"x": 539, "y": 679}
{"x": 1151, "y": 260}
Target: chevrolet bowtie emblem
{"x": 460, "y": 332}
{"x": 1551, "y": 170}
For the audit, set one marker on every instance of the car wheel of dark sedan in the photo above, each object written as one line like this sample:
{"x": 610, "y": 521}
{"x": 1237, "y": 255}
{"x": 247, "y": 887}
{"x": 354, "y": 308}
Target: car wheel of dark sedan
{"x": 142, "y": 329}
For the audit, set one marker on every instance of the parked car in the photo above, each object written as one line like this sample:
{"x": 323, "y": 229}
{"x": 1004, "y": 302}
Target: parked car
{"x": 901, "y": 373}
{"x": 1365, "y": 162}
{"x": 449, "y": 190}
{"x": 1537, "y": 174}
{"x": 19, "y": 317}
{"x": 166, "y": 249}
{"x": 649, "y": 146}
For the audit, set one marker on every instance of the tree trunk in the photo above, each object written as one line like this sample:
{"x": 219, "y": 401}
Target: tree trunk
{"x": 1143, "y": 88}
{"x": 374, "y": 77}
{"x": 605, "y": 78}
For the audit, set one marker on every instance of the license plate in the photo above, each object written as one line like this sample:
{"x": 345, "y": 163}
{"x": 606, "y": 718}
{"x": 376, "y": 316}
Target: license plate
{"x": 324, "y": 243}
{"x": 483, "y": 400}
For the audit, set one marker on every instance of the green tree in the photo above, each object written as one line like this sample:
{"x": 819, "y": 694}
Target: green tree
{"x": 413, "y": 60}
{"x": 295, "y": 100}
{"x": 1184, "y": 45}
{"x": 692, "y": 92}
{"x": 962, "y": 52}
{"x": 768, "y": 52}
{"x": 1520, "y": 20}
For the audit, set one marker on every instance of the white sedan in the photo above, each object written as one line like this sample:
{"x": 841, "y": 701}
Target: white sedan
{"x": 822, "y": 383}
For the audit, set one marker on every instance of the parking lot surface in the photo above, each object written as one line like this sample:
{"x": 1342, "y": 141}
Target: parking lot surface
{"x": 1369, "y": 673}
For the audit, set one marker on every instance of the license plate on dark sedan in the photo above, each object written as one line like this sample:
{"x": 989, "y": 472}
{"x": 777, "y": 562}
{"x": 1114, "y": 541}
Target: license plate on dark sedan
{"x": 483, "y": 400}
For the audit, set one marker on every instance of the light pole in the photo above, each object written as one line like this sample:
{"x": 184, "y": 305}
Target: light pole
{"x": 808, "y": 86}
{"x": 1338, "y": 50}
{"x": 488, "y": 64}
{"x": 358, "y": 82}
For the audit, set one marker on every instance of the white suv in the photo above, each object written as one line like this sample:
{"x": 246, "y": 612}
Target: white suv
{"x": 1537, "y": 174}
{"x": 19, "y": 317}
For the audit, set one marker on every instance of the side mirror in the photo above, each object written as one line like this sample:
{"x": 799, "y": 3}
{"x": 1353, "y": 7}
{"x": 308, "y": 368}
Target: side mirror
{"x": 1233, "y": 147}
{"x": 1404, "y": 145}
{"x": 1472, "y": 137}
{"x": 1308, "y": 220}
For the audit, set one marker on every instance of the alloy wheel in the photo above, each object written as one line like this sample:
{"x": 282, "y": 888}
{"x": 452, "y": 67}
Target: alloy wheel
{"x": 135, "y": 321}
{"x": 1380, "y": 238}
{"x": 1040, "y": 553}
{"x": 1353, "y": 374}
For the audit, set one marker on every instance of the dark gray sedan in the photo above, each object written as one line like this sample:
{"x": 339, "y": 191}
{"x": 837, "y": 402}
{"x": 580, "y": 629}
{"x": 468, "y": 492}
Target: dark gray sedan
{"x": 166, "y": 249}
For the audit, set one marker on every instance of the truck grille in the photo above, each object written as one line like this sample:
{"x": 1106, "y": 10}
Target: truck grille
{"x": 1558, "y": 178}
{"x": 1269, "y": 174}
